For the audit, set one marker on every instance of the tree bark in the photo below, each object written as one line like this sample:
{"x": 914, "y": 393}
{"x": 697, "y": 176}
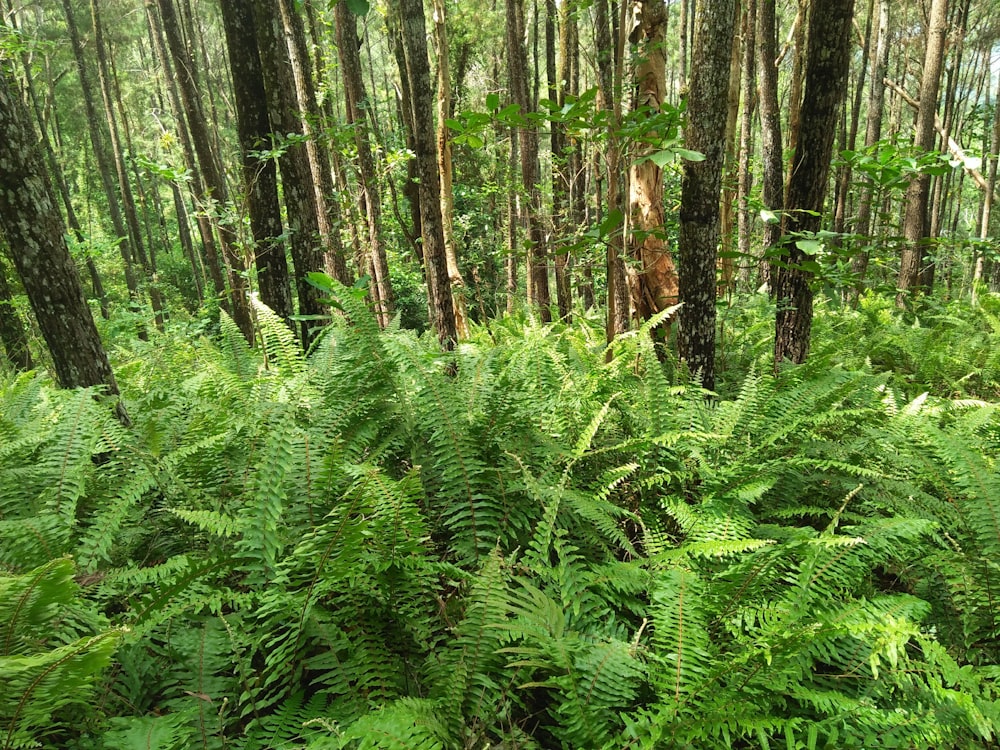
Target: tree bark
{"x": 701, "y": 185}
{"x": 873, "y": 132}
{"x": 916, "y": 220}
{"x": 369, "y": 198}
{"x": 618, "y": 295}
{"x": 537, "y": 265}
{"x": 34, "y": 230}
{"x": 260, "y": 176}
{"x": 208, "y": 160}
{"x": 747, "y": 84}
{"x": 97, "y": 140}
{"x": 825, "y": 87}
{"x": 422, "y": 100}
{"x": 772, "y": 160}
{"x": 445, "y": 168}
{"x": 296, "y": 174}
{"x": 653, "y": 278}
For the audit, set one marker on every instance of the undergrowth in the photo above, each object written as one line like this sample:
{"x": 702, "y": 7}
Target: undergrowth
{"x": 521, "y": 544}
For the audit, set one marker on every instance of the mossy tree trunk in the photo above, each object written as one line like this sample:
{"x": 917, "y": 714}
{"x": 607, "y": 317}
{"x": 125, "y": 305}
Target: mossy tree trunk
{"x": 701, "y": 186}
{"x": 36, "y": 235}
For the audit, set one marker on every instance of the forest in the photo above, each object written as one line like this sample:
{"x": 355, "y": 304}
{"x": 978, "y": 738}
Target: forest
{"x": 494, "y": 374}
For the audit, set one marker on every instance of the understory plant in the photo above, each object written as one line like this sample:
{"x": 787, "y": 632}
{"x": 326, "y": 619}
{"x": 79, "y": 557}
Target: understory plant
{"x": 522, "y": 543}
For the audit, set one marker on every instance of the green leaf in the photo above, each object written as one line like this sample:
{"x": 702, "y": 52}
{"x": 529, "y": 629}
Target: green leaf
{"x": 492, "y": 101}
{"x": 768, "y": 216}
{"x": 809, "y": 247}
{"x": 686, "y": 153}
{"x": 358, "y": 7}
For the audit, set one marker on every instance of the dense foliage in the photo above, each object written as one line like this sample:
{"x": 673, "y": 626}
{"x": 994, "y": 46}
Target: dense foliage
{"x": 520, "y": 544}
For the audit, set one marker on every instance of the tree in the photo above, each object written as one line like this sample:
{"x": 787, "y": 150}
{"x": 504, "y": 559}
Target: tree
{"x": 369, "y": 196}
{"x": 825, "y": 87}
{"x": 873, "y": 132}
{"x": 35, "y": 233}
{"x": 425, "y": 152}
{"x": 772, "y": 180}
{"x": 537, "y": 265}
{"x": 610, "y": 102}
{"x": 916, "y": 227}
{"x": 296, "y": 174}
{"x": 445, "y": 168}
{"x": 260, "y": 178}
{"x": 702, "y": 185}
{"x": 654, "y": 279}
{"x": 208, "y": 161}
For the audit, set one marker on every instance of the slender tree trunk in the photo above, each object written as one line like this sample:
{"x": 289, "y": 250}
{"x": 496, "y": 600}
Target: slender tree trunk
{"x": 435, "y": 261}
{"x": 296, "y": 174}
{"x": 873, "y": 132}
{"x": 370, "y": 198}
{"x": 618, "y": 295}
{"x": 209, "y": 253}
{"x": 260, "y": 176}
{"x": 701, "y": 185}
{"x": 97, "y": 140}
{"x": 654, "y": 280}
{"x": 319, "y": 159}
{"x": 916, "y": 220}
{"x": 979, "y": 269}
{"x": 844, "y": 172}
{"x": 537, "y": 266}
{"x": 118, "y": 156}
{"x": 749, "y": 96}
{"x": 727, "y": 235}
{"x": 445, "y": 168}
{"x": 208, "y": 161}
{"x": 772, "y": 179}
{"x": 34, "y": 230}
{"x": 825, "y": 87}
{"x": 558, "y": 77}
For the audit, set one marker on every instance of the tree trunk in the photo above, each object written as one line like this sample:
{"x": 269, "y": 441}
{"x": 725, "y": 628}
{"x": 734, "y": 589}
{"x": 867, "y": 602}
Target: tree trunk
{"x": 208, "y": 161}
{"x": 104, "y": 74}
{"x": 749, "y": 96}
{"x": 34, "y": 230}
{"x": 825, "y": 87}
{"x": 318, "y": 153}
{"x": 260, "y": 178}
{"x": 558, "y": 77}
{"x": 727, "y": 235}
{"x": 370, "y": 198}
{"x": 422, "y": 99}
{"x": 445, "y": 168}
{"x": 537, "y": 265}
{"x": 979, "y": 268}
{"x": 772, "y": 159}
{"x": 701, "y": 185}
{"x": 296, "y": 174}
{"x": 209, "y": 253}
{"x": 653, "y": 280}
{"x": 618, "y": 294}
{"x": 915, "y": 221}
{"x": 873, "y": 132}
{"x": 97, "y": 140}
